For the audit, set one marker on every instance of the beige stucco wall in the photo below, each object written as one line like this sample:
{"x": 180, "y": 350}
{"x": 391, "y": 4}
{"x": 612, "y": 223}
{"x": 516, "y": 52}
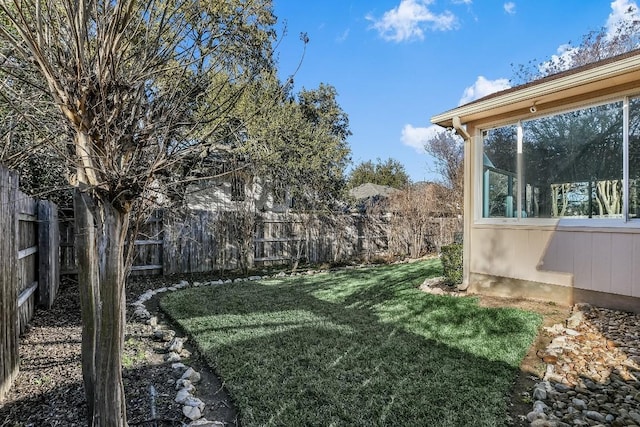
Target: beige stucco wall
{"x": 602, "y": 261}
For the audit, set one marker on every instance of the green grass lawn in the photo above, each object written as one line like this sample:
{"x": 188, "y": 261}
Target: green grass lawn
{"x": 357, "y": 348}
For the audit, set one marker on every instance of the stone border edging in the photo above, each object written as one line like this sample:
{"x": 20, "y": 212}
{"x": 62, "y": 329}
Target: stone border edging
{"x": 193, "y": 407}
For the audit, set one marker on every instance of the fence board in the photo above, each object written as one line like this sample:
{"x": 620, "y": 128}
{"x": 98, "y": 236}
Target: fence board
{"x": 67, "y": 242}
{"x": 148, "y": 246}
{"x": 49, "y": 253}
{"x": 28, "y": 267}
{"x": 26, "y": 294}
{"x": 27, "y": 257}
{"x": 9, "y": 355}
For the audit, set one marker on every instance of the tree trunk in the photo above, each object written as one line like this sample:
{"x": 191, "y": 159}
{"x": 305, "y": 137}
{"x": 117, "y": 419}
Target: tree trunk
{"x": 100, "y": 241}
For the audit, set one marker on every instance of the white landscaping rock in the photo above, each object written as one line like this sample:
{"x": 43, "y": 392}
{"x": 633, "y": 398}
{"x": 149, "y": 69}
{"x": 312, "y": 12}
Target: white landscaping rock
{"x": 172, "y": 357}
{"x": 176, "y": 345}
{"x": 192, "y": 375}
{"x": 164, "y": 334}
{"x": 195, "y": 402}
{"x": 142, "y": 314}
{"x": 185, "y": 384}
{"x": 179, "y": 367}
{"x": 183, "y": 395}
{"x": 192, "y": 412}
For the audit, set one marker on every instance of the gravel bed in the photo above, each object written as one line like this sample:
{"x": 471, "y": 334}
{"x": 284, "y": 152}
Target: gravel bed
{"x": 592, "y": 373}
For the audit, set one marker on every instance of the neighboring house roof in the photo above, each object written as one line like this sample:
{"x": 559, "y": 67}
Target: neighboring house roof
{"x": 369, "y": 190}
{"x": 615, "y": 74}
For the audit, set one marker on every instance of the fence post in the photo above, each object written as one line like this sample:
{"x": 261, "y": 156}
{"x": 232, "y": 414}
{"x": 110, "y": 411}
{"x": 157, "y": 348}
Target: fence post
{"x": 9, "y": 354}
{"x": 49, "y": 253}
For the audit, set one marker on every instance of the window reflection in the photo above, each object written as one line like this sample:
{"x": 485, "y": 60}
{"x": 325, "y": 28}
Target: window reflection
{"x": 571, "y": 165}
{"x": 500, "y": 172}
{"x": 634, "y": 158}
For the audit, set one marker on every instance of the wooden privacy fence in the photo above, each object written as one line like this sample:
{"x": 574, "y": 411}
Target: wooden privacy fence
{"x": 29, "y": 267}
{"x": 206, "y": 241}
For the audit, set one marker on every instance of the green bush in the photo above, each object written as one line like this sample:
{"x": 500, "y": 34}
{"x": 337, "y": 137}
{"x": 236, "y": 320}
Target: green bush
{"x": 451, "y": 256}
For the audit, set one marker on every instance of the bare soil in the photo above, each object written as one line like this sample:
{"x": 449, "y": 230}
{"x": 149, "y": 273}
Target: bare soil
{"x": 532, "y": 368}
{"x": 48, "y": 390}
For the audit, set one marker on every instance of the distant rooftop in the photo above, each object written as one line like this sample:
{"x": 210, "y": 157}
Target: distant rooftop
{"x": 369, "y": 190}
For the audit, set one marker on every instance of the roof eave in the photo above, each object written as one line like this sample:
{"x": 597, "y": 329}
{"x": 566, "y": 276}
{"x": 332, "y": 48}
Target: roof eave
{"x": 546, "y": 91}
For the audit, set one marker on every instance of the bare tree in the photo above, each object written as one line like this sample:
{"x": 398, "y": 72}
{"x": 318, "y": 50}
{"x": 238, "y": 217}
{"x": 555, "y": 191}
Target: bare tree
{"x": 420, "y": 221}
{"x": 128, "y": 79}
{"x": 614, "y": 39}
{"x": 448, "y": 151}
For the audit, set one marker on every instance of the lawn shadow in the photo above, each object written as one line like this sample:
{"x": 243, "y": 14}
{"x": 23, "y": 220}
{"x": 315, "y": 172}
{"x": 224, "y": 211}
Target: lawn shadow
{"x": 372, "y": 351}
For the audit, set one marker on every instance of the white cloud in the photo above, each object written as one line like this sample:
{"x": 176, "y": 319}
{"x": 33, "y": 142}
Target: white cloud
{"x": 344, "y": 36}
{"x": 483, "y": 87}
{"x": 409, "y": 20}
{"x": 462, "y": 1}
{"x": 622, "y": 11}
{"x": 510, "y": 8}
{"x": 416, "y": 137}
{"x": 561, "y": 61}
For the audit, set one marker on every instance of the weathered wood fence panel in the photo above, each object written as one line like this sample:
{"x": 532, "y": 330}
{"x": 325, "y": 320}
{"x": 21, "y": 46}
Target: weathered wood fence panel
{"x": 29, "y": 273}
{"x": 67, "y": 243}
{"x": 205, "y": 241}
{"x": 27, "y": 258}
{"x": 49, "y": 250}
{"x": 9, "y": 356}
{"x": 148, "y": 246}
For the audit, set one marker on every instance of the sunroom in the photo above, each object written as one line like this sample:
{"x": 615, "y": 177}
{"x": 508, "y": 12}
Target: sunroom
{"x": 552, "y": 187}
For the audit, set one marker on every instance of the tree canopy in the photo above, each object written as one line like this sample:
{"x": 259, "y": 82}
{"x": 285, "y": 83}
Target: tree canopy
{"x": 297, "y": 142}
{"x": 389, "y": 172}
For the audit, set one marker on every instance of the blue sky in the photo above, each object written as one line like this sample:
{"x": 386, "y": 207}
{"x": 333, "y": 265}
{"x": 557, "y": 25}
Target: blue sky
{"x": 396, "y": 63}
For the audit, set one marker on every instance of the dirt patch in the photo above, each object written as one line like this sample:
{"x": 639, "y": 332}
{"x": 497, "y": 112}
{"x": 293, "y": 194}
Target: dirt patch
{"x": 532, "y": 368}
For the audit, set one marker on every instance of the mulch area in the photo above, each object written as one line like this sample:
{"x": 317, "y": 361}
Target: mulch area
{"x": 49, "y": 392}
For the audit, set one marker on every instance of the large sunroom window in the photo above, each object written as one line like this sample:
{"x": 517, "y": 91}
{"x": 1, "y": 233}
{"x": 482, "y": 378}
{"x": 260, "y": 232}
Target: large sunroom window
{"x": 570, "y": 165}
